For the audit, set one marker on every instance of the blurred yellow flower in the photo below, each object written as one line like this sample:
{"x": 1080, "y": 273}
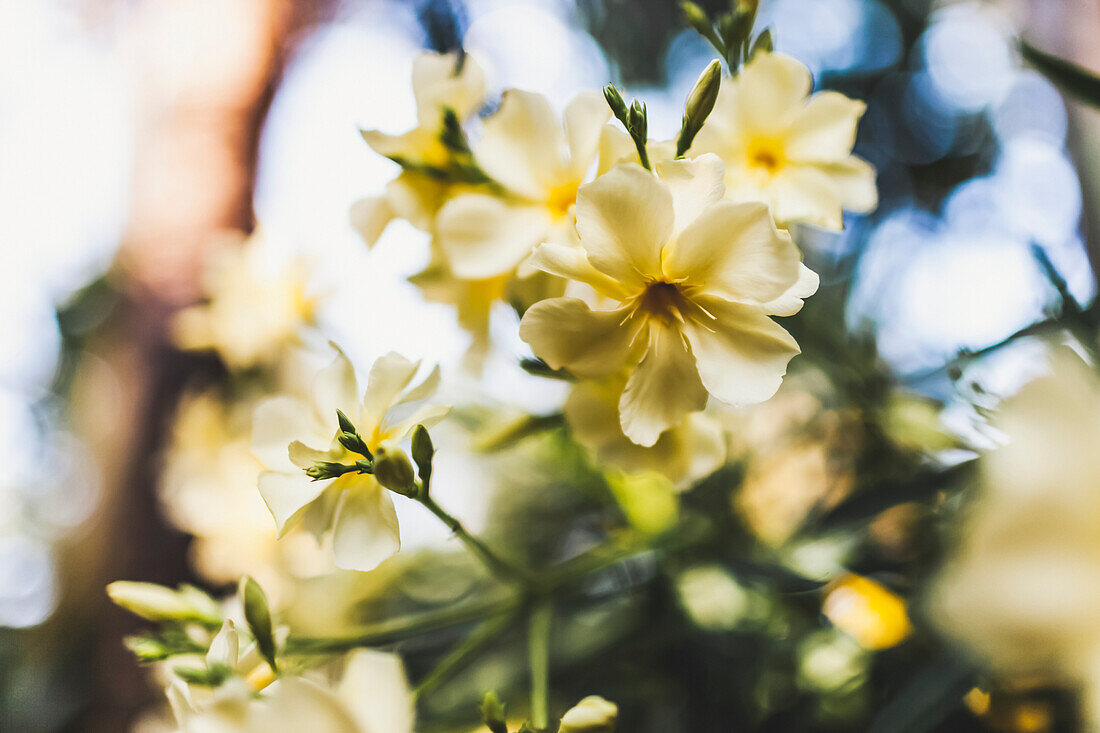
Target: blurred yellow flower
{"x": 694, "y": 279}
{"x": 687, "y": 452}
{"x": 257, "y": 304}
{"x": 208, "y": 489}
{"x": 867, "y": 611}
{"x": 593, "y": 714}
{"x": 540, "y": 163}
{"x": 787, "y": 148}
{"x": 439, "y": 82}
{"x": 354, "y": 506}
{"x": 371, "y": 696}
{"x": 1023, "y": 587}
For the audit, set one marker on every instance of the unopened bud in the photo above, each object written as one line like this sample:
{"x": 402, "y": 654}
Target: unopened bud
{"x": 616, "y": 103}
{"x": 695, "y": 16}
{"x": 159, "y": 603}
{"x": 422, "y": 452}
{"x": 258, "y": 615}
{"x": 763, "y": 44}
{"x": 327, "y": 469}
{"x": 593, "y": 714}
{"x": 639, "y": 123}
{"x": 492, "y": 712}
{"x": 705, "y": 92}
{"x": 394, "y": 471}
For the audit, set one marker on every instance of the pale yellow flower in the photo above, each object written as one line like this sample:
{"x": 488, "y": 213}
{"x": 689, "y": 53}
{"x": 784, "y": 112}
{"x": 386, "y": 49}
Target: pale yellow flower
{"x": 414, "y": 195}
{"x": 257, "y": 304}
{"x": 540, "y": 162}
{"x": 208, "y": 489}
{"x": 786, "y": 147}
{"x": 593, "y": 714}
{"x": 290, "y": 436}
{"x": 692, "y": 281}
{"x": 1023, "y": 588}
{"x": 687, "y": 452}
{"x": 371, "y": 696}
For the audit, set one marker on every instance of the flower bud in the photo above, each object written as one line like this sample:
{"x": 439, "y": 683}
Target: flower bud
{"x": 394, "y": 471}
{"x": 492, "y": 712}
{"x": 639, "y": 122}
{"x": 699, "y": 104}
{"x": 159, "y": 603}
{"x": 258, "y": 615}
{"x": 422, "y": 452}
{"x": 593, "y": 714}
{"x": 616, "y": 103}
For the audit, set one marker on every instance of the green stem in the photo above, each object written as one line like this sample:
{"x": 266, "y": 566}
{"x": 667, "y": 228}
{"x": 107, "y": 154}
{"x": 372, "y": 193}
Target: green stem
{"x": 393, "y": 630}
{"x": 462, "y": 654}
{"x": 538, "y": 657}
{"x": 501, "y": 568}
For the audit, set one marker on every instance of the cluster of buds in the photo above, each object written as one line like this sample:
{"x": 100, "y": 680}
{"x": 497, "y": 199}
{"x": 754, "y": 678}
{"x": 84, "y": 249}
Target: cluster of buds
{"x": 731, "y": 32}
{"x": 389, "y": 465}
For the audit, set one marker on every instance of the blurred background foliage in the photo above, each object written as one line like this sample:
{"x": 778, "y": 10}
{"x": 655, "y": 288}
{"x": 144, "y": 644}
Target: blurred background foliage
{"x": 788, "y": 595}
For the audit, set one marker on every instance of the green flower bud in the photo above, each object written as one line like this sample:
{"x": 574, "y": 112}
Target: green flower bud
{"x": 422, "y": 452}
{"x": 700, "y": 102}
{"x": 639, "y": 123}
{"x": 327, "y": 469}
{"x": 762, "y": 44}
{"x": 616, "y": 103}
{"x": 394, "y": 471}
{"x": 159, "y": 603}
{"x": 492, "y": 712}
{"x": 258, "y": 615}
{"x": 593, "y": 714}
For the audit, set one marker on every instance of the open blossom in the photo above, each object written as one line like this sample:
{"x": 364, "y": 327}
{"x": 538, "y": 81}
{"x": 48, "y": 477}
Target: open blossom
{"x": 540, "y": 163}
{"x": 687, "y": 452}
{"x": 1023, "y": 587}
{"x": 291, "y": 436}
{"x": 691, "y": 280}
{"x": 786, "y": 148}
{"x": 439, "y": 83}
{"x": 257, "y": 304}
{"x": 371, "y": 696}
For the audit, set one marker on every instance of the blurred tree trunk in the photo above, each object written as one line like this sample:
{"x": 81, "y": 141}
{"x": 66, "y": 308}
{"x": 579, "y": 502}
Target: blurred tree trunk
{"x": 203, "y": 75}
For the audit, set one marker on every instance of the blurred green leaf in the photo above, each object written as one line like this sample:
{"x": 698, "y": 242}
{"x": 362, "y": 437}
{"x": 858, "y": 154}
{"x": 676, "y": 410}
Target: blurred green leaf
{"x": 927, "y": 698}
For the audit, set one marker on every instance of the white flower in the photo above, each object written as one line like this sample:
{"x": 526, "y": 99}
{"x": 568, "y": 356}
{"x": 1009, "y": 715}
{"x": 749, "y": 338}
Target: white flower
{"x": 412, "y": 195}
{"x": 372, "y": 696}
{"x": 787, "y": 148}
{"x": 593, "y": 714}
{"x": 687, "y": 452}
{"x": 541, "y": 163}
{"x": 354, "y": 506}
{"x": 693, "y": 279}
{"x": 257, "y": 304}
{"x": 1023, "y": 588}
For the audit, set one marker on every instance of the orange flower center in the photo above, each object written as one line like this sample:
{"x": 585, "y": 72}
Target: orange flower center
{"x": 766, "y": 154}
{"x": 561, "y": 199}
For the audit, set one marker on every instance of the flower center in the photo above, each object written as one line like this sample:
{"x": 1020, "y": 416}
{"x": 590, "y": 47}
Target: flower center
{"x": 664, "y": 301}
{"x": 766, "y": 154}
{"x": 561, "y": 199}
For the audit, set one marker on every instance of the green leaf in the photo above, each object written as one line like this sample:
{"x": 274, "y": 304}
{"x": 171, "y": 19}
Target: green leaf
{"x": 258, "y": 615}
{"x": 930, "y": 695}
{"x": 1074, "y": 80}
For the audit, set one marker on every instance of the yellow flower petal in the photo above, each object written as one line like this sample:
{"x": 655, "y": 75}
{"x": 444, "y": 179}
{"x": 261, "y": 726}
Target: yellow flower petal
{"x": 694, "y": 184}
{"x": 662, "y": 390}
{"x": 484, "y": 236}
{"x": 734, "y": 251}
{"x": 565, "y": 333}
{"x": 771, "y": 90}
{"x": 624, "y": 218}
{"x": 366, "y": 531}
{"x": 370, "y": 216}
{"x": 825, "y": 129}
{"x": 435, "y": 86}
{"x": 584, "y": 120}
{"x": 742, "y": 355}
{"x": 287, "y": 495}
{"x": 389, "y": 376}
{"x": 522, "y": 143}
{"x": 572, "y": 263}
